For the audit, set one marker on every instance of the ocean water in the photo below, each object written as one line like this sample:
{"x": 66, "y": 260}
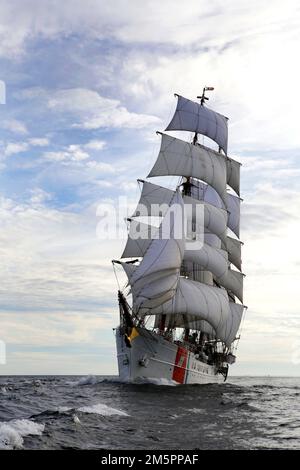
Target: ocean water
{"x": 101, "y": 413}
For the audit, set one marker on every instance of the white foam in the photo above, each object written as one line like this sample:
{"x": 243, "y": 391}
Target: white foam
{"x": 12, "y": 432}
{"x": 63, "y": 409}
{"x": 155, "y": 381}
{"x": 89, "y": 380}
{"x": 197, "y": 410}
{"x": 76, "y": 419}
{"x": 101, "y": 409}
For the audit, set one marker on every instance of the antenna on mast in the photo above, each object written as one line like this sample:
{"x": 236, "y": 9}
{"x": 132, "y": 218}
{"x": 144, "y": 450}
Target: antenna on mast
{"x": 202, "y": 101}
{"x": 203, "y": 97}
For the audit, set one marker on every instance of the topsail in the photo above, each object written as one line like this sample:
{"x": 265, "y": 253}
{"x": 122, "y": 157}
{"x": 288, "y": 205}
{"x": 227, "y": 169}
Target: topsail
{"x": 193, "y": 117}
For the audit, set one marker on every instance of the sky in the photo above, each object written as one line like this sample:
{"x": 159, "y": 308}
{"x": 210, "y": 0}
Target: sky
{"x": 88, "y": 83}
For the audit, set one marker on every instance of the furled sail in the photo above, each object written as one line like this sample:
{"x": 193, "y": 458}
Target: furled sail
{"x": 177, "y": 157}
{"x": 193, "y": 117}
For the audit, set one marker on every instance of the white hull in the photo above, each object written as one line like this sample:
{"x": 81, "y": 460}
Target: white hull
{"x": 153, "y": 357}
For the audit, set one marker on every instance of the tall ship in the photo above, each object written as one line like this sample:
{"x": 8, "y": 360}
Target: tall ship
{"x": 182, "y": 307}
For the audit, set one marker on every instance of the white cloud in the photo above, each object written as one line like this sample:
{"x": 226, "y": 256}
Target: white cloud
{"x": 13, "y": 148}
{"x": 102, "y": 167}
{"x": 52, "y": 261}
{"x": 208, "y": 24}
{"x": 13, "y": 125}
{"x": 39, "y": 196}
{"x": 95, "y": 145}
{"x": 271, "y": 260}
{"x": 39, "y": 141}
{"x": 247, "y": 51}
{"x": 95, "y": 111}
{"x": 53, "y": 329}
{"x": 72, "y": 153}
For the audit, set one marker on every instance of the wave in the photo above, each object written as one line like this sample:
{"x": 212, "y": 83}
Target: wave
{"x": 12, "y": 432}
{"x": 151, "y": 381}
{"x": 101, "y": 409}
{"x": 93, "y": 380}
{"x": 89, "y": 380}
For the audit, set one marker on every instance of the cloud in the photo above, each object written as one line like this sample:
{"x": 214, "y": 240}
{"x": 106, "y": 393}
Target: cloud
{"x": 13, "y": 148}
{"x": 111, "y": 71}
{"x": 39, "y": 142}
{"x": 13, "y": 125}
{"x": 95, "y": 111}
{"x": 270, "y": 230}
{"x": 39, "y": 271}
{"x": 171, "y": 20}
{"x": 102, "y": 167}
{"x": 95, "y": 145}
{"x": 72, "y": 153}
{"x": 54, "y": 329}
{"x": 39, "y": 196}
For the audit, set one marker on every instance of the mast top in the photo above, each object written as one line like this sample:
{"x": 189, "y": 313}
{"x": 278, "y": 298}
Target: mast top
{"x": 203, "y": 97}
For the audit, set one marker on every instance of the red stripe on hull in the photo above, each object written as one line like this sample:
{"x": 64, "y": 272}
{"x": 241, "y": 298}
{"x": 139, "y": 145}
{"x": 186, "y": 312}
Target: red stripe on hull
{"x": 180, "y": 365}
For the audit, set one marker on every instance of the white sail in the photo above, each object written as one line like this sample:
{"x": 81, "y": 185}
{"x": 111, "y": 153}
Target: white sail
{"x": 155, "y": 200}
{"x": 155, "y": 280}
{"x": 212, "y": 240}
{"x": 200, "y": 301}
{"x": 210, "y": 259}
{"x": 185, "y": 321}
{"x": 215, "y": 219}
{"x": 233, "y": 174}
{"x": 233, "y": 204}
{"x": 233, "y": 282}
{"x": 136, "y": 246}
{"x": 234, "y": 252}
{"x": 206, "y": 193}
{"x": 202, "y": 326}
{"x": 193, "y": 271}
{"x": 193, "y": 117}
{"x": 228, "y": 331}
{"x": 177, "y": 157}
{"x": 233, "y": 322}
